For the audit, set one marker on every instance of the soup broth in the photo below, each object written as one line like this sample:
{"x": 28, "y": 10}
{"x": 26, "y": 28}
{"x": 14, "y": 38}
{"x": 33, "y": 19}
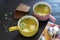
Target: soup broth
{"x": 42, "y": 9}
{"x": 28, "y": 24}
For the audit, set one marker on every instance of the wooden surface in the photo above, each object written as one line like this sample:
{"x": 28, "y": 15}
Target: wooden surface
{"x": 7, "y": 7}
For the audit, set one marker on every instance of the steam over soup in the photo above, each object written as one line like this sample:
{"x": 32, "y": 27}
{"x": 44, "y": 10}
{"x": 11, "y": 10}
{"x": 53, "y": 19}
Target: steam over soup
{"x": 28, "y": 24}
{"x": 42, "y": 9}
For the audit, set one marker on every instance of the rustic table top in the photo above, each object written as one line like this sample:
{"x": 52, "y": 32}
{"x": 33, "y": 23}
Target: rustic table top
{"x": 7, "y": 8}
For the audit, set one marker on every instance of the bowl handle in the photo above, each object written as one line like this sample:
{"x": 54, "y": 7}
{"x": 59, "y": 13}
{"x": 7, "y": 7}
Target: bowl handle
{"x": 13, "y": 28}
{"x": 52, "y": 18}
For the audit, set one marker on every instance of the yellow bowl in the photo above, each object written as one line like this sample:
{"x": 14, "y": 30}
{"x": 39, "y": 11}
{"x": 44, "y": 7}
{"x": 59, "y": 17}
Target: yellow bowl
{"x": 24, "y": 33}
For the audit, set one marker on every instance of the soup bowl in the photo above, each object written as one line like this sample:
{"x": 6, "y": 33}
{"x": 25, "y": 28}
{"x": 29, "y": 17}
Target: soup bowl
{"x": 24, "y": 31}
{"x": 43, "y": 17}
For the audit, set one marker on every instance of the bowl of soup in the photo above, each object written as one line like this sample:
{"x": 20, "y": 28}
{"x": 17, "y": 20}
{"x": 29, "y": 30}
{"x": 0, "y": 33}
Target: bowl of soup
{"x": 27, "y": 26}
{"x": 42, "y": 10}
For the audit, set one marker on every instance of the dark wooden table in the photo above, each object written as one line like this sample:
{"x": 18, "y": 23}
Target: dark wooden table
{"x": 7, "y": 8}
